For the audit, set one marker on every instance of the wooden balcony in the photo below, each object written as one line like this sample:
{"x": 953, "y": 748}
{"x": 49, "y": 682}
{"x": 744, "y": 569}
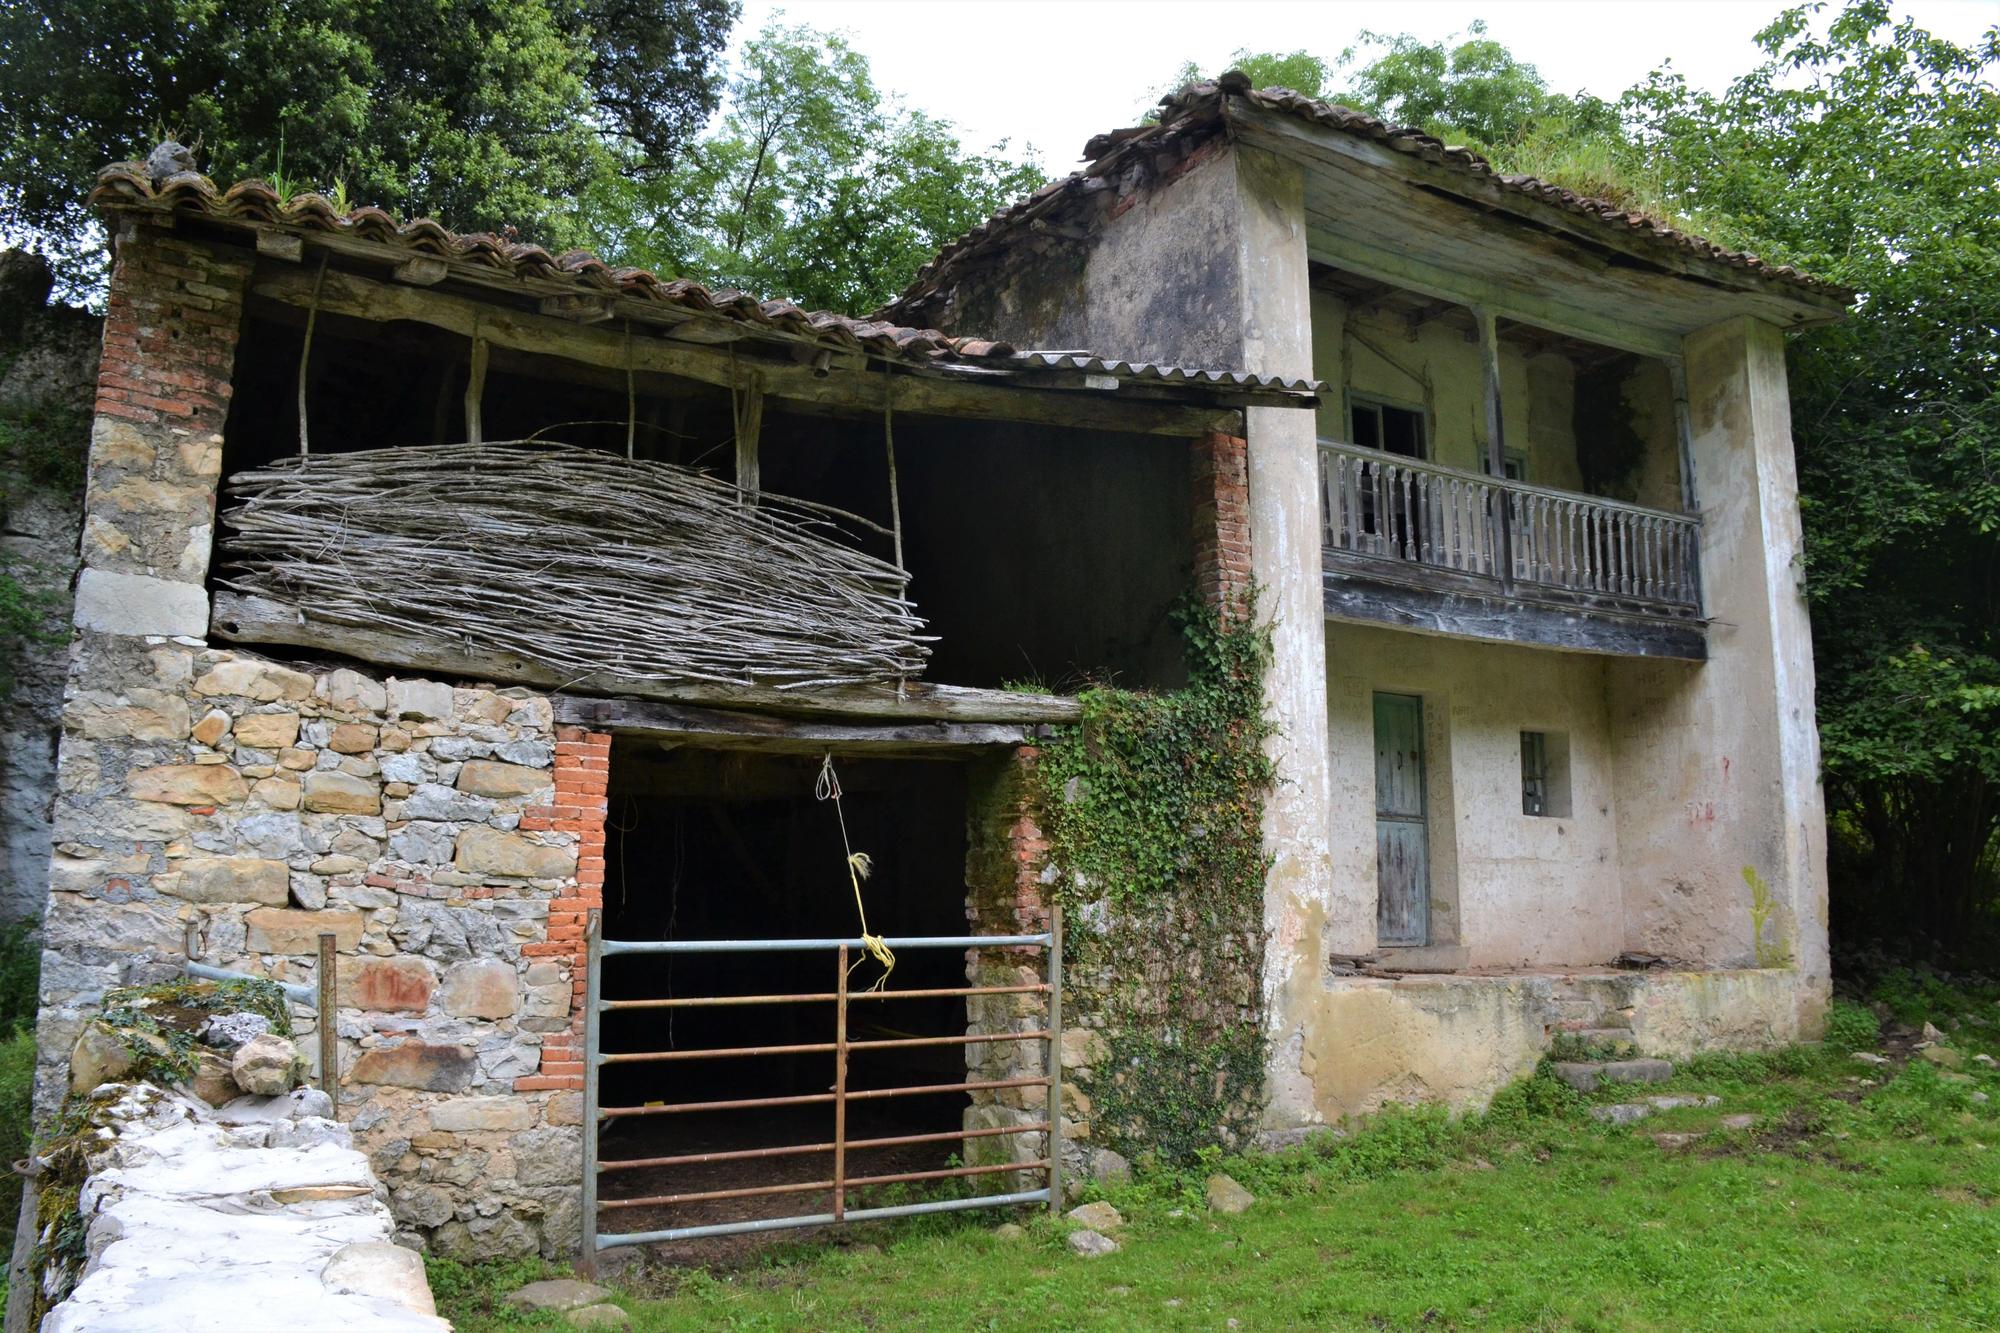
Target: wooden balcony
{"x": 1432, "y": 548}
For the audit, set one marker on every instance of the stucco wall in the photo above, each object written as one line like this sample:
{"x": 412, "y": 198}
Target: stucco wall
{"x": 1458, "y": 1040}
{"x": 1512, "y": 889}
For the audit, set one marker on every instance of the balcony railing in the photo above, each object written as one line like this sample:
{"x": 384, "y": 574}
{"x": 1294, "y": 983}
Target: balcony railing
{"x": 1454, "y": 525}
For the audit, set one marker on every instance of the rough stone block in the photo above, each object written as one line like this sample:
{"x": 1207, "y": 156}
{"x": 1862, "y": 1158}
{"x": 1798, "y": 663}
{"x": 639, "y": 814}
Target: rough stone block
{"x": 189, "y": 784}
{"x": 277, "y": 793}
{"x": 247, "y": 678}
{"x": 267, "y": 731}
{"x": 386, "y": 985}
{"x": 352, "y": 692}
{"x": 139, "y": 714}
{"x": 488, "y": 851}
{"x": 482, "y": 988}
{"x": 214, "y": 725}
{"x": 266, "y": 1065}
{"x": 1636, "y": 1071}
{"x": 380, "y": 1270}
{"x": 462, "y": 1115}
{"x": 139, "y": 604}
{"x": 425, "y": 700}
{"x": 282, "y": 930}
{"x": 486, "y": 777}
{"x": 342, "y": 793}
{"x": 352, "y": 738}
{"x": 230, "y": 879}
{"x": 422, "y": 1065}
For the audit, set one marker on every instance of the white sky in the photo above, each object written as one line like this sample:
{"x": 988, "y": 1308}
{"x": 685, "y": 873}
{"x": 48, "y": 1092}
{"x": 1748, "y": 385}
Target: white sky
{"x": 1050, "y": 73}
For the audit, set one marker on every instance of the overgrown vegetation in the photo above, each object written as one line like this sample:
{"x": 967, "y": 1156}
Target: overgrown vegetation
{"x": 1154, "y": 806}
{"x": 1858, "y": 1196}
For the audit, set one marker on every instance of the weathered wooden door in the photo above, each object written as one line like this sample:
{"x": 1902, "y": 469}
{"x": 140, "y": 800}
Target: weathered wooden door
{"x": 1402, "y": 844}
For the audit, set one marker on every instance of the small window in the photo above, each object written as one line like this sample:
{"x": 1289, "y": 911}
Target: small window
{"x": 1384, "y": 426}
{"x": 1545, "y": 774}
{"x": 1515, "y": 463}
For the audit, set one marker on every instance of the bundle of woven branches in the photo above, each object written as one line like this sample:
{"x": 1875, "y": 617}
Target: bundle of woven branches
{"x": 589, "y": 563}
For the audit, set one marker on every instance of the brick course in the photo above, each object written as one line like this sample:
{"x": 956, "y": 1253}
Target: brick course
{"x": 1221, "y": 518}
{"x": 582, "y": 772}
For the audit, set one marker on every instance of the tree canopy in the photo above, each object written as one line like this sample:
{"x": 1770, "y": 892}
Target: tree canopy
{"x": 813, "y": 185}
{"x": 481, "y": 113}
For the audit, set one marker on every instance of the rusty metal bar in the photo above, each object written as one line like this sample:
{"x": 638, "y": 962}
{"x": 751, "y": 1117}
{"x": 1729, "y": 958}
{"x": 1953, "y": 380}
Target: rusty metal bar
{"x": 840, "y": 1088}
{"x": 822, "y": 1098}
{"x": 950, "y": 1173}
{"x": 983, "y": 1085}
{"x": 327, "y": 984}
{"x": 828, "y": 997}
{"x": 716, "y": 1053}
{"x": 969, "y": 1039}
{"x": 807, "y": 1149}
{"x": 705, "y": 1196}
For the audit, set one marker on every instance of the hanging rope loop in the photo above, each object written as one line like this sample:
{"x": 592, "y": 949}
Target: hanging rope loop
{"x": 827, "y": 788}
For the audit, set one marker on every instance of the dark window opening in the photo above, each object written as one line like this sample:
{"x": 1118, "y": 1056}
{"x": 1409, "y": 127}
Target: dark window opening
{"x": 1392, "y": 429}
{"x": 1545, "y": 774}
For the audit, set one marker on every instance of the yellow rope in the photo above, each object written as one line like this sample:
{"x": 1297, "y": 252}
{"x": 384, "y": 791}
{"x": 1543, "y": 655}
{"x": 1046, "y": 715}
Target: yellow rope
{"x": 827, "y": 788}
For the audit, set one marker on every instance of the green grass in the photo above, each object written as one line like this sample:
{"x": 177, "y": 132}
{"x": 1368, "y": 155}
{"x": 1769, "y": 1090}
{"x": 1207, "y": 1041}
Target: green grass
{"x": 1846, "y": 1206}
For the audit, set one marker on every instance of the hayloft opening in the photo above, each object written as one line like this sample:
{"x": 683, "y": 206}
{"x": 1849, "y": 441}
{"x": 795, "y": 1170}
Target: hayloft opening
{"x": 705, "y": 844}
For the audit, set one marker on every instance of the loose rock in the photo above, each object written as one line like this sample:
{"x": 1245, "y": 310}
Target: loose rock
{"x": 265, "y": 1065}
{"x": 597, "y": 1316}
{"x": 1226, "y": 1196}
{"x": 1098, "y": 1216}
{"x": 1090, "y": 1244}
{"x": 562, "y": 1293}
{"x": 1624, "y": 1113}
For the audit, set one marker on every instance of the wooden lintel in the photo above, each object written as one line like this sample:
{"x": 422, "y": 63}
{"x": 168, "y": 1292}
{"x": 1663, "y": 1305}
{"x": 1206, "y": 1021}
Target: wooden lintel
{"x": 240, "y": 619}
{"x": 725, "y": 729}
{"x": 285, "y": 245}
{"x": 421, "y": 271}
{"x": 582, "y": 309}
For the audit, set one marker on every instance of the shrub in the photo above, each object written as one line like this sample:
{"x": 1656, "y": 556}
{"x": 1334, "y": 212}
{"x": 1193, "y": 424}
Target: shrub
{"x": 1851, "y": 1027}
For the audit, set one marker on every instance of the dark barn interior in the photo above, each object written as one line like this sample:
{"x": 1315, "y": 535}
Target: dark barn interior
{"x": 705, "y": 844}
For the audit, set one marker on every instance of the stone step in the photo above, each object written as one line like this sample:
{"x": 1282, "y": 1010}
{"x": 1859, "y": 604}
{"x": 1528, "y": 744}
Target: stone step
{"x": 1610, "y": 1036}
{"x": 1586, "y": 1075}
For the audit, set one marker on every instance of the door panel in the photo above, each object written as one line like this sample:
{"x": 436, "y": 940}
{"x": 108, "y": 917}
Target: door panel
{"x": 1402, "y": 841}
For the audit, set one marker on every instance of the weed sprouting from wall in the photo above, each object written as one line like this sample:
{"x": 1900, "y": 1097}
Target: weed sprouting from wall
{"x": 1771, "y": 952}
{"x": 1154, "y": 807}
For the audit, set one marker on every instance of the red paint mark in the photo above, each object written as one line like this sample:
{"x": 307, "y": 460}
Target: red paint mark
{"x": 1725, "y": 770}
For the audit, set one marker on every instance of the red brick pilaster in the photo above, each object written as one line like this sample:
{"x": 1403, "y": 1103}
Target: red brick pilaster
{"x": 583, "y": 776}
{"x": 1006, "y": 852}
{"x": 1220, "y": 514}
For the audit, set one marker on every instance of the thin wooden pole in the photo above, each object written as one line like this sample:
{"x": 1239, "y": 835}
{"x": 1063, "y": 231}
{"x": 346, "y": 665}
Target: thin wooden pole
{"x": 1496, "y": 444}
{"x": 840, "y": 1091}
{"x": 475, "y": 391}
{"x": 889, "y": 441}
{"x": 631, "y": 399}
{"x": 329, "y": 1010}
{"x": 305, "y": 351}
{"x": 749, "y": 430}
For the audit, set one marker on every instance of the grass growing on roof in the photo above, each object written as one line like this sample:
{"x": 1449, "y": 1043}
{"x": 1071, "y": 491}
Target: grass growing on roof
{"x": 1860, "y": 1197}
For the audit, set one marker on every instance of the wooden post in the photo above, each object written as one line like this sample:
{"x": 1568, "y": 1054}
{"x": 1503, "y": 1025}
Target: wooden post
{"x": 329, "y": 1010}
{"x": 1496, "y": 442}
{"x": 749, "y": 426}
{"x": 475, "y": 391}
{"x": 1690, "y": 497}
{"x": 306, "y": 351}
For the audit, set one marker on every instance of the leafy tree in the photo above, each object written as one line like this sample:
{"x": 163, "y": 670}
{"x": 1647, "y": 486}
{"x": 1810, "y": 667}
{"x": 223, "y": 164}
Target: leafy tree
{"x": 813, "y": 186}
{"x": 482, "y": 113}
{"x": 1868, "y": 151}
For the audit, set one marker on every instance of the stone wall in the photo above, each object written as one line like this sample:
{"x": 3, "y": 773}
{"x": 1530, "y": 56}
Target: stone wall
{"x": 48, "y": 364}
{"x": 243, "y": 807}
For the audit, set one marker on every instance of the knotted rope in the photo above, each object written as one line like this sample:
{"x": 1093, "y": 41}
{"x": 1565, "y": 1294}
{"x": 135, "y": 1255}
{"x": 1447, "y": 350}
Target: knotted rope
{"x": 827, "y": 788}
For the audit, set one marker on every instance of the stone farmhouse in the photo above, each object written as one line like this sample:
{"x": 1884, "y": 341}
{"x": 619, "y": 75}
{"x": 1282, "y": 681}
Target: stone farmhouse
{"x": 456, "y": 620}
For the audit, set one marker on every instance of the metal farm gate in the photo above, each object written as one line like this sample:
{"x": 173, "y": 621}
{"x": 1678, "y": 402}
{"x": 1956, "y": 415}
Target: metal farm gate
{"x": 841, "y": 1179}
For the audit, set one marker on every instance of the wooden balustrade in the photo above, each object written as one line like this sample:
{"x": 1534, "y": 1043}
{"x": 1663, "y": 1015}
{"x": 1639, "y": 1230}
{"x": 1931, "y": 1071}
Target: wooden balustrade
{"x": 1533, "y": 538}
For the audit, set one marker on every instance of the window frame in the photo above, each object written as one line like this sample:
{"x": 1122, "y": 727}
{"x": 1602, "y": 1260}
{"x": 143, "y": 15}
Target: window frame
{"x": 1377, "y": 402}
